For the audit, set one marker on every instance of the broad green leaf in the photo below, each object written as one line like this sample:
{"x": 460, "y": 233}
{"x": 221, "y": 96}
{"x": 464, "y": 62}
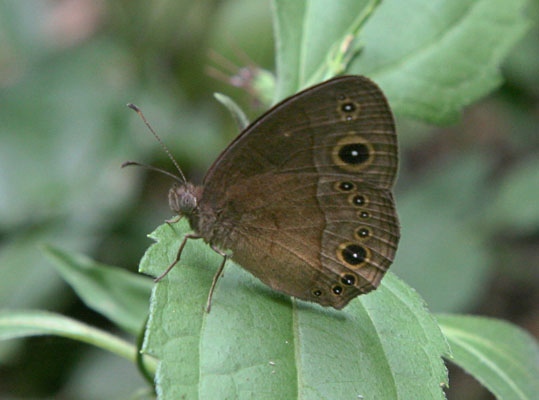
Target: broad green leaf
{"x": 116, "y": 293}
{"x": 501, "y": 356}
{"x": 26, "y": 323}
{"x": 431, "y": 57}
{"x": 257, "y": 343}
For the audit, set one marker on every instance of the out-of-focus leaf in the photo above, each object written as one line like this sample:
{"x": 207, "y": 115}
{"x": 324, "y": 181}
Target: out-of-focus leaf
{"x": 433, "y": 57}
{"x": 442, "y": 252}
{"x": 121, "y": 296}
{"x": 515, "y": 203}
{"x": 258, "y": 343}
{"x": 102, "y": 375}
{"x": 501, "y": 356}
{"x": 305, "y": 32}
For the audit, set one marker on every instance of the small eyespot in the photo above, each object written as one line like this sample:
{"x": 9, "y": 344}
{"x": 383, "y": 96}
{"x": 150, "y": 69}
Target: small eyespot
{"x": 358, "y": 200}
{"x": 348, "y": 279}
{"x": 364, "y": 215}
{"x": 317, "y": 292}
{"x": 347, "y": 108}
{"x": 363, "y": 233}
{"x": 345, "y": 186}
{"x": 337, "y": 290}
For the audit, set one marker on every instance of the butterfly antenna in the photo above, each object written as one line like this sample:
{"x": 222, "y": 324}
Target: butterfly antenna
{"x": 128, "y": 163}
{"x": 137, "y": 110}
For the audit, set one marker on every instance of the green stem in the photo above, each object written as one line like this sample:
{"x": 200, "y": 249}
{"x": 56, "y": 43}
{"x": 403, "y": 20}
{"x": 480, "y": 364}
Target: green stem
{"x": 16, "y": 324}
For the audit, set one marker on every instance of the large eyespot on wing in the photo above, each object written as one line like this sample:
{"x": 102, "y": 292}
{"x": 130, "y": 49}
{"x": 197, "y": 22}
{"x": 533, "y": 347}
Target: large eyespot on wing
{"x": 363, "y": 144}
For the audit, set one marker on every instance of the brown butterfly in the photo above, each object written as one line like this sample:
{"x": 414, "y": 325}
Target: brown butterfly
{"x": 302, "y": 197}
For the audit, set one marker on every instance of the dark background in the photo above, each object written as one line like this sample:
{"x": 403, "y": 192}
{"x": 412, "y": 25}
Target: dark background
{"x": 67, "y": 69}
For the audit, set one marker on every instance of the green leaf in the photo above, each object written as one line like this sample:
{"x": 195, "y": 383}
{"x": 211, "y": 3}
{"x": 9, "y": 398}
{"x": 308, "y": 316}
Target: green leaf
{"x": 305, "y": 31}
{"x": 431, "y": 57}
{"x": 514, "y": 202}
{"x": 504, "y": 358}
{"x": 237, "y": 113}
{"x": 19, "y": 324}
{"x": 442, "y": 253}
{"x": 116, "y": 293}
{"x": 259, "y": 343}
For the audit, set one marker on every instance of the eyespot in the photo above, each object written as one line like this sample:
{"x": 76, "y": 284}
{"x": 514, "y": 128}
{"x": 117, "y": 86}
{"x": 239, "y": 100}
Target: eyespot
{"x": 345, "y": 186}
{"x": 317, "y": 292}
{"x": 348, "y": 279}
{"x": 354, "y": 255}
{"x": 337, "y": 290}
{"x": 363, "y": 215}
{"x": 362, "y": 233}
{"x": 358, "y": 200}
{"x": 352, "y": 153}
{"x": 348, "y": 109}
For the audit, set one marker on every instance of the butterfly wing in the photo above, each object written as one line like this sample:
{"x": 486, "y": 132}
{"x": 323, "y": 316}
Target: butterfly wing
{"x": 302, "y": 196}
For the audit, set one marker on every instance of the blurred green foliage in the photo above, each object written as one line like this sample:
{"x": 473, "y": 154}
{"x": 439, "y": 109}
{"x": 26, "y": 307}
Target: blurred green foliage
{"x": 466, "y": 194}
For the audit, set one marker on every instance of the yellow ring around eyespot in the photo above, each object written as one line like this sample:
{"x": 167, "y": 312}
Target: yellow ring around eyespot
{"x": 337, "y": 185}
{"x": 352, "y": 139}
{"x": 362, "y": 238}
{"x": 356, "y": 278}
{"x": 342, "y": 246}
{"x": 352, "y": 196}
{"x": 348, "y": 115}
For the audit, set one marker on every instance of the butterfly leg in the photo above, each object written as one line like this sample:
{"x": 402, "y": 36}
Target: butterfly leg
{"x": 185, "y": 239}
{"x": 171, "y": 221}
{"x": 216, "y": 276}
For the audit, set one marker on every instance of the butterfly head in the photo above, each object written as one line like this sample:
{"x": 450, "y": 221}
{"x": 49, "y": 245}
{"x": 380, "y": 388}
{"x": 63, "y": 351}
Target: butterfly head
{"x": 183, "y": 198}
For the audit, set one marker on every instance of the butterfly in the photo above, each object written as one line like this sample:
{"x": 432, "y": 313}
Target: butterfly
{"x": 302, "y": 197}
